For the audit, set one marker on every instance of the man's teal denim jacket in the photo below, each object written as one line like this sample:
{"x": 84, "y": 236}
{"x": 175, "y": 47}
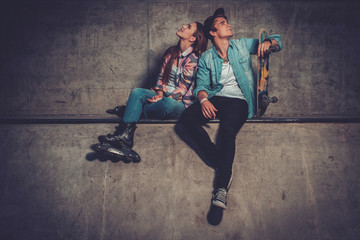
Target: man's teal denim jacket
{"x": 210, "y": 65}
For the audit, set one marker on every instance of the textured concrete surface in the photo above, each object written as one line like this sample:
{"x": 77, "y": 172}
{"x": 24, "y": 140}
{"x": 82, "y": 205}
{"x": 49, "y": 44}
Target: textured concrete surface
{"x": 84, "y": 56}
{"x": 298, "y": 181}
{"x": 60, "y": 58}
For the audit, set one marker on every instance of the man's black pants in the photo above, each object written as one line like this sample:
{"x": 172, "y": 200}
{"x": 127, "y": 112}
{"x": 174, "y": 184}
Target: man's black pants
{"x": 232, "y": 114}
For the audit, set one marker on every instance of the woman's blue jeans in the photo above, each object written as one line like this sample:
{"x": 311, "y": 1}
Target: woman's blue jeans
{"x": 166, "y": 108}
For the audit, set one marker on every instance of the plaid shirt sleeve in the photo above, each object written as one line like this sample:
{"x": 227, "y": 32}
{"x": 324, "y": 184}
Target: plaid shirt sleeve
{"x": 160, "y": 81}
{"x": 187, "y": 76}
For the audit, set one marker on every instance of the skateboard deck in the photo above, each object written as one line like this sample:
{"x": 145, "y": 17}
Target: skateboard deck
{"x": 263, "y": 100}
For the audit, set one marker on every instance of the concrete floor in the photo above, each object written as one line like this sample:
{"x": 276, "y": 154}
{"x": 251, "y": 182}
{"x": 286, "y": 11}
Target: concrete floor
{"x": 291, "y": 181}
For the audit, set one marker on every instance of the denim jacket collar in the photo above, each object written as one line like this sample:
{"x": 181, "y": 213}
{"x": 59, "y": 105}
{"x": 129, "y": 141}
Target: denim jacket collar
{"x": 216, "y": 54}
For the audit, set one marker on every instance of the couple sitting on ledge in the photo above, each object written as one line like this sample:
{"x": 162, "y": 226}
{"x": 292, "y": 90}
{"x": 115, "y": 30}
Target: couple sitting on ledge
{"x": 196, "y": 85}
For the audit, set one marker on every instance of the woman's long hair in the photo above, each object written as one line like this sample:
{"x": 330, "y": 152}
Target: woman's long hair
{"x": 199, "y": 46}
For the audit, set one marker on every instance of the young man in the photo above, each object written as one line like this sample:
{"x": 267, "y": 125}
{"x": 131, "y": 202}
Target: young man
{"x": 225, "y": 90}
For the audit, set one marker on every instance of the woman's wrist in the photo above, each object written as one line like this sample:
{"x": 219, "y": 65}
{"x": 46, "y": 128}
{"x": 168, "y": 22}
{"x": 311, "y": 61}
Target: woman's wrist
{"x": 160, "y": 94}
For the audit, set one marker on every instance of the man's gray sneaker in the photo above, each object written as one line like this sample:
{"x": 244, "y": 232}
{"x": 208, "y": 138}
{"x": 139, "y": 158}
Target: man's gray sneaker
{"x": 219, "y": 198}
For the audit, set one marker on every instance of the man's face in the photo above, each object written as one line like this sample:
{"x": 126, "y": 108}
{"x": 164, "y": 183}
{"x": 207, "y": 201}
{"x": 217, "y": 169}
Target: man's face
{"x": 223, "y": 28}
{"x": 187, "y": 31}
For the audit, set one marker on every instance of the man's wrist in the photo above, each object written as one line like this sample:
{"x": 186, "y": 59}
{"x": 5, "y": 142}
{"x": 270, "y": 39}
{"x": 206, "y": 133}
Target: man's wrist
{"x": 268, "y": 40}
{"x": 203, "y": 100}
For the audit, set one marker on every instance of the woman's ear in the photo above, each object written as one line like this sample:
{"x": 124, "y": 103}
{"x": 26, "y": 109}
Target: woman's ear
{"x": 192, "y": 39}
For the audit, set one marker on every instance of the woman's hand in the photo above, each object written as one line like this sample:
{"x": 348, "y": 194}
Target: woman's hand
{"x": 155, "y": 98}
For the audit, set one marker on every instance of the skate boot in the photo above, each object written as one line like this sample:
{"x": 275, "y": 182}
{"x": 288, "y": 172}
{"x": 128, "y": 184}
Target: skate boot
{"x": 124, "y": 135}
{"x": 124, "y": 153}
{"x": 119, "y": 110}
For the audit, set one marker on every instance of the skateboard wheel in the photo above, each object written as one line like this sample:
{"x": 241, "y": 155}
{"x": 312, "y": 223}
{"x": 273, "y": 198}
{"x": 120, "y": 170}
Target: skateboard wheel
{"x": 265, "y": 104}
{"x": 114, "y": 159}
{"x": 136, "y": 159}
{"x": 274, "y": 99}
{"x": 126, "y": 159}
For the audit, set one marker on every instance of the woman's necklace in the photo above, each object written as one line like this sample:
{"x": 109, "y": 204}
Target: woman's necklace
{"x": 225, "y": 59}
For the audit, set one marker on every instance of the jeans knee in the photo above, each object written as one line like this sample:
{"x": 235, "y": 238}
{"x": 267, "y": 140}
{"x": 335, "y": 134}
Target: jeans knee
{"x": 188, "y": 123}
{"x": 137, "y": 91}
{"x": 176, "y": 113}
{"x": 228, "y": 132}
{"x": 184, "y": 118}
{"x": 140, "y": 94}
{"x": 171, "y": 108}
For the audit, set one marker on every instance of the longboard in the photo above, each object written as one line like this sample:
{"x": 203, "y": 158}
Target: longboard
{"x": 263, "y": 100}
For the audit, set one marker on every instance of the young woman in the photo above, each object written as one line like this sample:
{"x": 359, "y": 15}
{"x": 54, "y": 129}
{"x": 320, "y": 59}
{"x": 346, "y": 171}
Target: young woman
{"x": 168, "y": 99}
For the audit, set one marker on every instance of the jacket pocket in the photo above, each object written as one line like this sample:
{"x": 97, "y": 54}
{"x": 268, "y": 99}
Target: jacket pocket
{"x": 244, "y": 63}
{"x": 244, "y": 59}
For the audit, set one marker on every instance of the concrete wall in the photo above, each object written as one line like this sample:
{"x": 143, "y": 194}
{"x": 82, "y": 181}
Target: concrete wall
{"x": 300, "y": 181}
{"x": 84, "y": 56}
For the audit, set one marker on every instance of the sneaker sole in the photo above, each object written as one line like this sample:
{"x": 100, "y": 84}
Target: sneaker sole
{"x": 219, "y": 204}
{"x": 230, "y": 182}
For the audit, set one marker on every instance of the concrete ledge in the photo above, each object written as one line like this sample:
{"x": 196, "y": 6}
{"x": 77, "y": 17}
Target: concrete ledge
{"x": 105, "y": 119}
{"x": 291, "y": 181}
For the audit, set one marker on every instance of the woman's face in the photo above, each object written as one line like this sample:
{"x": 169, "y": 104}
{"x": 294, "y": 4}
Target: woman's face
{"x": 187, "y": 31}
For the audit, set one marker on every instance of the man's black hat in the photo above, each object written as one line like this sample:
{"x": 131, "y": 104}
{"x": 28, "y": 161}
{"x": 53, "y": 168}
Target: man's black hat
{"x": 220, "y": 12}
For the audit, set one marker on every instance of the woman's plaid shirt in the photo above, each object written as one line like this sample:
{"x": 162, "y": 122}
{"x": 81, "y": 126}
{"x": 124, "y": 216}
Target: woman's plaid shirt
{"x": 183, "y": 74}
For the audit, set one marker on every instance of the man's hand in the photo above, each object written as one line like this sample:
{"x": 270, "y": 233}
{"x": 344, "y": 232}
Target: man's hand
{"x": 263, "y": 48}
{"x": 208, "y": 109}
{"x": 155, "y": 98}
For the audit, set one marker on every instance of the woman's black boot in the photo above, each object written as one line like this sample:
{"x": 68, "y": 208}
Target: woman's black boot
{"x": 124, "y": 135}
